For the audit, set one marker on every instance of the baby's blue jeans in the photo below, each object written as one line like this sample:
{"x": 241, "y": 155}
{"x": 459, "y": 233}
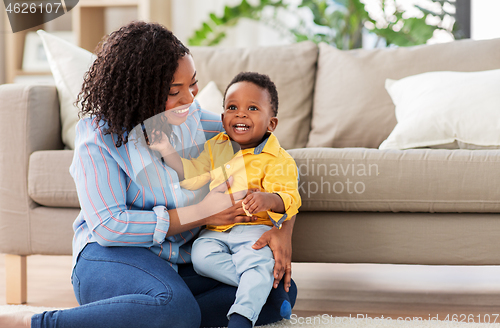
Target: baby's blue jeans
{"x": 132, "y": 287}
{"x": 229, "y": 257}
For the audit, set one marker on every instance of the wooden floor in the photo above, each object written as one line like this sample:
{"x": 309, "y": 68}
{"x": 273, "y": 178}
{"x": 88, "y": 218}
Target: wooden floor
{"x": 357, "y": 290}
{"x": 49, "y": 282}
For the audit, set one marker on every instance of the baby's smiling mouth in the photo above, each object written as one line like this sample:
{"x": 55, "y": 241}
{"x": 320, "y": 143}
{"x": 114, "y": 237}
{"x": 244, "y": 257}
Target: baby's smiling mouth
{"x": 240, "y": 127}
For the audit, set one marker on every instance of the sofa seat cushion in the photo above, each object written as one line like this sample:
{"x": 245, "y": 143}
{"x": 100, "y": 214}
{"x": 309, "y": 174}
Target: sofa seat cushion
{"x": 342, "y": 179}
{"x": 414, "y": 180}
{"x": 49, "y": 181}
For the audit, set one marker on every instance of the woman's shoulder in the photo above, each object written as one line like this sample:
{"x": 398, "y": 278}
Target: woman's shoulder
{"x": 91, "y": 131}
{"x": 90, "y": 124}
{"x": 210, "y": 123}
{"x": 205, "y": 115}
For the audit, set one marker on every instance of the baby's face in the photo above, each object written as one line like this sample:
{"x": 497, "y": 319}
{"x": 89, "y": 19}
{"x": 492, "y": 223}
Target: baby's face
{"x": 248, "y": 114}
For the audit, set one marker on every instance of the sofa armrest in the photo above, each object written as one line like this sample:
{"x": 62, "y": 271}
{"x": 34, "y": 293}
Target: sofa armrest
{"x": 29, "y": 122}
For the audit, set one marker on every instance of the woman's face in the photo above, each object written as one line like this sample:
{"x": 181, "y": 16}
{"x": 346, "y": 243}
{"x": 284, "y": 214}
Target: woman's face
{"x": 182, "y": 91}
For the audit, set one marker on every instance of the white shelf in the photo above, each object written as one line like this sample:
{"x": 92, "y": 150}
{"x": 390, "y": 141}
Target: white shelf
{"x": 88, "y": 24}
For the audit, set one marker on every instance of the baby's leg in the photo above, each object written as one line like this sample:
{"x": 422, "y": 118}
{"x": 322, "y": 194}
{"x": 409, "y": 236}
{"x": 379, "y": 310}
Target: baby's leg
{"x": 212, "y": 258}
{"x": 255, "y": 268}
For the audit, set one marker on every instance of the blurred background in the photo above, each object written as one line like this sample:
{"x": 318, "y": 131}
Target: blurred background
{"x": 345, "y": 24}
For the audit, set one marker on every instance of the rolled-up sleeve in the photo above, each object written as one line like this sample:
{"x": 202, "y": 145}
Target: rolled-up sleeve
{"x": 162, "y": 225}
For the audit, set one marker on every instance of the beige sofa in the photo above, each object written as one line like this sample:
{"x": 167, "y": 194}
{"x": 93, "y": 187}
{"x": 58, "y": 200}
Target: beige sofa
{"x": 360, "y": 204}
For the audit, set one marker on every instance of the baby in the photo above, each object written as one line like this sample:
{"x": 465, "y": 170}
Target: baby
{"x": 250, "y": 153}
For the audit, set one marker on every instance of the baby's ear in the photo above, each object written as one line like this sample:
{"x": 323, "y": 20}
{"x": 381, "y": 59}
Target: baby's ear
{"x": 273, "y": 123}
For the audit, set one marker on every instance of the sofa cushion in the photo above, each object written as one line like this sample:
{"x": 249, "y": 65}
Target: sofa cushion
{"x": 436, "y": 108}
{"x": 351, "y": 105}
{"x": 414, "y": 180}
{"x": 210, "y": 98}
{"x": 292, "y": 68}
{"x": 349, "y": 179}
{"x": 49, "y": 181}
{"x": 68, "y": 64}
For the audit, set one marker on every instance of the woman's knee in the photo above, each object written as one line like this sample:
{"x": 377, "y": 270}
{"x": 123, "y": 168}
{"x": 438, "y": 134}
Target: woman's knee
{"x": 292, "y": 292}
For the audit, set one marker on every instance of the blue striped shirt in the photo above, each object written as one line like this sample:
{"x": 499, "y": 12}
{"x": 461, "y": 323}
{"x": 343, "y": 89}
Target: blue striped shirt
{"x": 124, "y": 192}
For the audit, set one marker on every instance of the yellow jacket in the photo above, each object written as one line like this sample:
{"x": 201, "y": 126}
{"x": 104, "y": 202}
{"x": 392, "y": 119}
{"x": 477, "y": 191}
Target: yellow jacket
{"x": 267, "y": 167}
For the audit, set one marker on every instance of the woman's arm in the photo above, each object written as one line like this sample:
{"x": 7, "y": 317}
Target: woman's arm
{"x": 215, "y": 209}
{"x": 101, "y": 184}
{"x": 210, "y": 123}
{"x": 101, "y": 172}
{"x": 280, "y": 242}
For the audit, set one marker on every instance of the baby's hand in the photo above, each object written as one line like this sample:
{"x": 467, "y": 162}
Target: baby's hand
{"x": 257, "y": 202}
{"x": 163, "y": 146}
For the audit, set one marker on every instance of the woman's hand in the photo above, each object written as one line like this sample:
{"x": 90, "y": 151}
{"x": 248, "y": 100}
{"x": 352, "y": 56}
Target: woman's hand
{"x": 217, "y": 208}
{"x": 222, "y": 208}
{"x": 280, "y": 242}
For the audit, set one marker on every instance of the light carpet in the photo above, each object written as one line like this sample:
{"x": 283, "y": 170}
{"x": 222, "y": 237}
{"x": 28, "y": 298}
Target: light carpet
{"x": 318, "y": 321}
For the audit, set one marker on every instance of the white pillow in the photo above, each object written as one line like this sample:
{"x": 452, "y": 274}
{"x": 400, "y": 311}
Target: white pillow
{"x": 439, "y": 108}
{"x": 210, "y": 98}
{"x": 68, "y": 64}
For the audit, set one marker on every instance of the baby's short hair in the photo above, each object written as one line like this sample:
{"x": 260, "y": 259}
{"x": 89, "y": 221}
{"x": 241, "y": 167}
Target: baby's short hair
{"x": 260, "y": 80}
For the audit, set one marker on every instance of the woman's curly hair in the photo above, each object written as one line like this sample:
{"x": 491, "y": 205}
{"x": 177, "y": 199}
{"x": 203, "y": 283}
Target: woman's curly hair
{"x": 130, "y": 80}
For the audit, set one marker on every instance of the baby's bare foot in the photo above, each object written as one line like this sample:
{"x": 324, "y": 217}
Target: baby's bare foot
{"x": 16, "y": 320}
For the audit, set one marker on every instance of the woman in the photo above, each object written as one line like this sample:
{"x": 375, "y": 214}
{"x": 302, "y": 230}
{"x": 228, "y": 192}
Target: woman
{"x": 134, "y": 233}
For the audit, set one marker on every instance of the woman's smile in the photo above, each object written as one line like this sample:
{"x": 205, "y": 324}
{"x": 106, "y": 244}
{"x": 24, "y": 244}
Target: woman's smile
{"x": 181, "y": 110}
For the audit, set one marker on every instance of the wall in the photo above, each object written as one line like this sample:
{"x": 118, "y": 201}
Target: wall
{"x": 61, "y": 23}
{"x": 485, "y": 21}
{"x": 117, "y": 17}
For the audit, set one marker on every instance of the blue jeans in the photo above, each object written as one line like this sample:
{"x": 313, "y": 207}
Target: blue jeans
{"x": 133, "y": 287}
